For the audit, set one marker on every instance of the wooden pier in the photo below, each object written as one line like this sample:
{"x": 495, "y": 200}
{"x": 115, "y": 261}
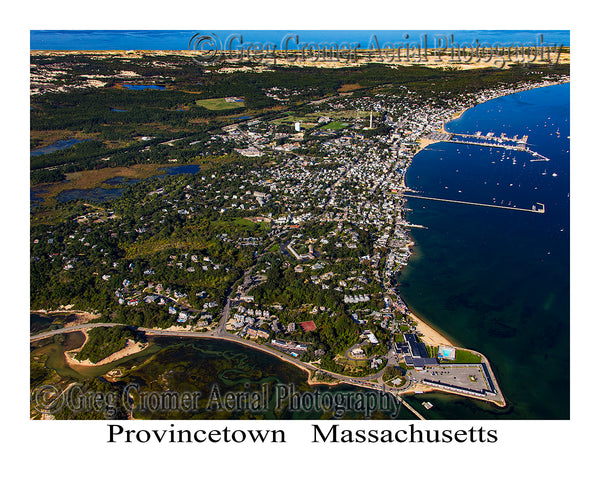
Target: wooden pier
{"x": 533, "y": 209}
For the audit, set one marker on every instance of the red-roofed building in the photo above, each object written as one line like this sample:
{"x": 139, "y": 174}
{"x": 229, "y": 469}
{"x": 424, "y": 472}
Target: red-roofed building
{"x": 308, "y": 326}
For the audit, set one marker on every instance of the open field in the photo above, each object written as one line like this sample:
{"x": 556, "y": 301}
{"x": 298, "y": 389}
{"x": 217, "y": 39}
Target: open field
{"x": 192, "y": 237}
{"x": 336, "y": 125}
{"x": 464, "y": 356}
{"x": 348, "y": 114}
{"x": 349, "y": 87}
{"x": 218, "y": 104}
{"x": 307, "y": 120}
{"x": 351, "y": 366}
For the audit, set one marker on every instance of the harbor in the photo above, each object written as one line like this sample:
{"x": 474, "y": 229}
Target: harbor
{"x": 493, "y": 280}
{"x": 489, "y": 140}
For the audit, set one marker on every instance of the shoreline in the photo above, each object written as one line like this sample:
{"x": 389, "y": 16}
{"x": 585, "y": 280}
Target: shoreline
{"x": 129, "y": 349}
{"x": 434, "y": 337}
{"x": 310, "y": 369}
{"x": 460, "y": 113}
{"x": 430, "y": 335}
{"x": 248, "y": 343}
{"x": 424, "y": 143}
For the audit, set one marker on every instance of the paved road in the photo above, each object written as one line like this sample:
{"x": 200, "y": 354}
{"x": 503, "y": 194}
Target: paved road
{"x": 211, "y": 334}
{"x": 364, "y": 382}
{"x": 74, "y": 328}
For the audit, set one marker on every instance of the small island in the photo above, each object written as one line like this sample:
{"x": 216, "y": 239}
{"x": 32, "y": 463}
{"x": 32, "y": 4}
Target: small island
{"x": 104, "y": 345}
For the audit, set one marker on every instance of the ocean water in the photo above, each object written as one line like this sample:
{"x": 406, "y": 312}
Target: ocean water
{"x": 497, "y": 280}
{"x": 179, "y": 39}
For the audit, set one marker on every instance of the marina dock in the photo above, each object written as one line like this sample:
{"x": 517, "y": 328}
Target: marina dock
{"x": 489, "y": 140}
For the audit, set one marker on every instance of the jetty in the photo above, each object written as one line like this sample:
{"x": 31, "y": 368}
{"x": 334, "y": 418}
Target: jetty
{"x": 537, "y": 208}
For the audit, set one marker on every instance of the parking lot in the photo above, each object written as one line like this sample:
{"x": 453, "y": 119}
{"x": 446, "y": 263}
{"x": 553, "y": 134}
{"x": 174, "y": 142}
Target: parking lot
{"x": 470, "y": 377}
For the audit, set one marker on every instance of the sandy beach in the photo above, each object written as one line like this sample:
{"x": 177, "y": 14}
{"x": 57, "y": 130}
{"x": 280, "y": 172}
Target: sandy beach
{"x": 430, "y": 335}
{"x": 313, "y": 383}
{"x": 455, "y": 116}
{"x": 424, "y": 143}
{"x": 131, "y": 347}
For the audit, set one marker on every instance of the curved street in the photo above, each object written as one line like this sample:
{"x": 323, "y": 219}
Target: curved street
{"x": 221, "y": 335}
